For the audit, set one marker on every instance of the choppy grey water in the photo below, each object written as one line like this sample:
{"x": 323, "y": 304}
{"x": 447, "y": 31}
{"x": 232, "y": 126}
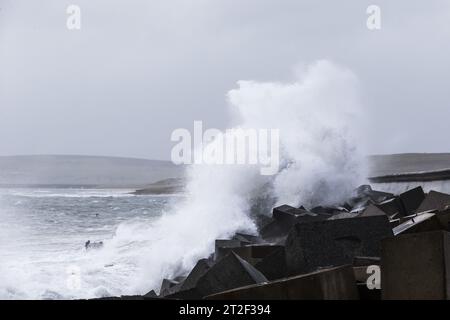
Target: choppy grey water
{"x": 42, "y": 236}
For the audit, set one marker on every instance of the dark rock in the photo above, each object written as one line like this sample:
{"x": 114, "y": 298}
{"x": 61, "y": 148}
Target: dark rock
{"x": 334, "y": 242}
{"x": 416, "y": 266}
{"x": 329, "y": 284}
{"x": 228, "y": 273}
{"x": 434, "y": 201}
{"x": 412, "y": 199}
{"x": 273, "y": 266}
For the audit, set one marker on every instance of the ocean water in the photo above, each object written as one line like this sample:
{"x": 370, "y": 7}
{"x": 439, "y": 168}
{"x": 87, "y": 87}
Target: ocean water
{"x": 42, "y": 237}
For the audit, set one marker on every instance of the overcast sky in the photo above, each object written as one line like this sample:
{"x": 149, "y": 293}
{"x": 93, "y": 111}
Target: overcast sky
{"x": 139, "y": 69}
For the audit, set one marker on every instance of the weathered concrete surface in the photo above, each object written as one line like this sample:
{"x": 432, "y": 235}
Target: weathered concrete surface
{"x": 392, "y": 206}
{"x": 434, "y": 201}
{"x": 202, "y": 266}
{"x": 247, "y": 238}
{"x": 223, "y": 244}
{"x": 273, "y": 266}
{"x": 251, "y": 253}
{"x": 330, "y": 284}
{"x": 228, "y": 273}
{"x": 416, "y": 266}
{"x": 424, "y": 222}
{"x": 284, "y": 218}
{"x": 366, "y": 261}
{"x": 412, "y": 199}
{"x": 372, "y": 210}
{"x": 334, "y": 242}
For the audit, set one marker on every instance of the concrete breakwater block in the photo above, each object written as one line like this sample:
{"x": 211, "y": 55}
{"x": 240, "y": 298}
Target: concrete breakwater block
{"x": 334, "y": 242}
{"x": 412, "y": 199}
{"x": 328, "y": 284}
{"x": 202, "y": 266}
{"x": 247, "y": 238}
{"x": 167, "y": 287}
{"x": 434, "y": 201}
{"x": 284, "y": 217}
{"x": 416, "y": 266}
{"x": 221, "y": 244}
{"x": 250, "y": 253}
{"x": 392, "y": 206}
{"x": 227, "y": 273}
{"x": 273, "y": 266}
{"x": 424, "y": 222}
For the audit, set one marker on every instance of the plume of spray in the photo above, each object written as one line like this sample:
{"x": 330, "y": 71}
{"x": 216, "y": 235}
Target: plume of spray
{"x": 318, "y": 116}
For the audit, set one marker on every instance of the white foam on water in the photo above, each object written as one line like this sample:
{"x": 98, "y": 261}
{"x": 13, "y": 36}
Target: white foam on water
{"x": 318, "y": 115}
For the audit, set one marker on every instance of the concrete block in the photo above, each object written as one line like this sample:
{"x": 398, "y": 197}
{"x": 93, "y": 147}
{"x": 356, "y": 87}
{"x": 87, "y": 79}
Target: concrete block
{"x": 328, "y": 284}
{"x": 250, "y": 253}
{"x": 169, "y": 286}
{"x": 284, "y": 218}
{"x": 221, "y": 244}
{"x": 228, "y": 273}
{"x": 412, "y": 199}
{"x": 372, "y": 210}
{"x": 416, "y": 266}
{"x": 273, "y": 266}
{"x": 334, "y": 242}
{"x": 202, "y": 266}
{"x": 247, "y": 238}
{"x": 424, "y": 222}
{"x": 151, "y": 294}
{"x": 434, "y": 201}
{"x": 366, "y": 261}
{"x": 392, "y": 206}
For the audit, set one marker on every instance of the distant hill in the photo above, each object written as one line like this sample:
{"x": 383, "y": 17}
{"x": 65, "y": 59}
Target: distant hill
{"x": 154, "y": 176}
{"x": 84, "y": 171}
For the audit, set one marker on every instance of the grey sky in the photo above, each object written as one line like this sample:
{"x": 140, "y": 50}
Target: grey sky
{"x": 139, "y": 69}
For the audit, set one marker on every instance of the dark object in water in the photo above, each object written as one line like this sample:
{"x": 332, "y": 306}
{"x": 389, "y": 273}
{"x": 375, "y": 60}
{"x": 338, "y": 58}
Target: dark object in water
{"x": 93, "y": 245}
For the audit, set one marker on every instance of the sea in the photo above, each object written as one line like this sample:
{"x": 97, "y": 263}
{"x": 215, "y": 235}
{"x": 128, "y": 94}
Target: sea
{"x": 43, "y": 233}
